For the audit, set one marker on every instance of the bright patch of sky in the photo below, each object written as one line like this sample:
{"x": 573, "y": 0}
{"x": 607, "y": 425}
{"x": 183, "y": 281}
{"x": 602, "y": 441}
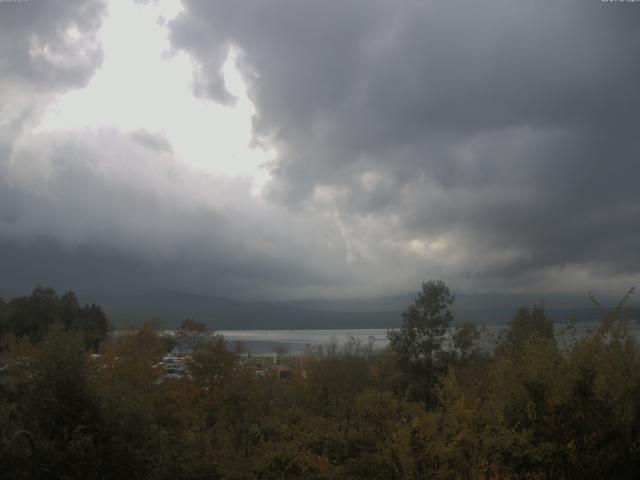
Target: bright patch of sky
{"x": 143, "y": 84}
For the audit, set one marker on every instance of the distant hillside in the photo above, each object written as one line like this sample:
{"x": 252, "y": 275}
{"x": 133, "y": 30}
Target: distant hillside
{"x": 170, "y": 308}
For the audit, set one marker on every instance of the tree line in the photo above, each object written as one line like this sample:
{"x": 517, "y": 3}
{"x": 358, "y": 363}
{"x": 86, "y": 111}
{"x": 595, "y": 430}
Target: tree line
{"x": 442, "y": 401}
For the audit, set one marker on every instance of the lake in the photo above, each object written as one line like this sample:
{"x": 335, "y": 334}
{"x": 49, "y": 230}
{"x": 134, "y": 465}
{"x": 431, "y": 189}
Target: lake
{"x": 266, "y": 342}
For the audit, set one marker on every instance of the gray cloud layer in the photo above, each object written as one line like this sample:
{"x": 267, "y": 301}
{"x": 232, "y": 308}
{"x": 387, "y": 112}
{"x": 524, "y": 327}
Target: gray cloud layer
{"x": 506, "y": 128}
{"x": 50, "y": 44}
{"x": 492, "y": 144}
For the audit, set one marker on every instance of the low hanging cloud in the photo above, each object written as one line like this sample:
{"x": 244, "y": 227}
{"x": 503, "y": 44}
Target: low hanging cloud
{"x": 114, "y": 203}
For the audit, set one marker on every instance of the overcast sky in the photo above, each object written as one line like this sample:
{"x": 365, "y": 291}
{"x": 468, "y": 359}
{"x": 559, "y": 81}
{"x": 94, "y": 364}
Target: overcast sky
{"x": 318, "y": 149}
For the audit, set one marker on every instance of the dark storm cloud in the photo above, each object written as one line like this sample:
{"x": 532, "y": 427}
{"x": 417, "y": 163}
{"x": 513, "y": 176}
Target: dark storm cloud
{"x": 109, "y": 210}
{"x": 492, "y": 144}
{"x": 505, "y": 127}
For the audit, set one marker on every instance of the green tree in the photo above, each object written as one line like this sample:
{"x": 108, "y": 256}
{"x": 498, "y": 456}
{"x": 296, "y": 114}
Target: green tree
{"x": 420, "y": 338}
{"x": 465, "y": 339}
{"x": 526, "y": 326}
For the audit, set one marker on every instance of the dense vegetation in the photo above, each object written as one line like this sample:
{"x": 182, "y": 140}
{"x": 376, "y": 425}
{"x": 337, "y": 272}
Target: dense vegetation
{"x": 439, "y": 402}
{"x": 33, "y": 316}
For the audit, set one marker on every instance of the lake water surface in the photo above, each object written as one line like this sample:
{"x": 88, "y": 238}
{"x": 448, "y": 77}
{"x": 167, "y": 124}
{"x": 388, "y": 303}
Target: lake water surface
{"x": 295, "y": 341}
{"x": 266, "y": 342}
